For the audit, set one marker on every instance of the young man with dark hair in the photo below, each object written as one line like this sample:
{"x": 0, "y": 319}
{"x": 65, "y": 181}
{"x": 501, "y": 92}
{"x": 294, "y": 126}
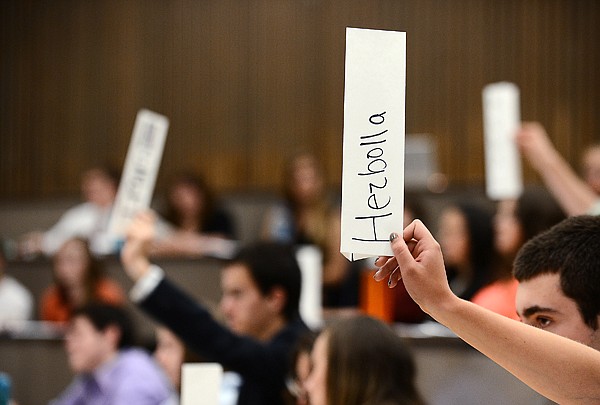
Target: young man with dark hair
{"x": 559, "y": 280}
{"x": 260, "y": 304}
{"x": 99, "y": 344}
{"x": 557, "y": 367}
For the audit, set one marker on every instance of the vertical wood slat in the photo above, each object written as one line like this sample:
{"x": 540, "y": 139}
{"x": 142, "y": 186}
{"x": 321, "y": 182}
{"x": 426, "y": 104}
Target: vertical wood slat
{"x": 247, "y": 83}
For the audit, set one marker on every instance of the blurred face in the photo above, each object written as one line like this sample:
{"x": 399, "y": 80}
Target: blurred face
{"x": 591, "y": 168}
{"x": 186, "y": 198}
{"x": 246, "y": 310}
{"x": 508, "y": 236}
{"x": 454, "y": 237}
{"x": 170, "y": 354}
{"x": 302, "y": 370}
{"x": 98, "y": 189}
{"x": 307, "y": 183}
{"x": 70, "y": 263}
{"x": 316, "y": 383}
{"x": 541, "y": 303}
{"x": 87, "y": 348}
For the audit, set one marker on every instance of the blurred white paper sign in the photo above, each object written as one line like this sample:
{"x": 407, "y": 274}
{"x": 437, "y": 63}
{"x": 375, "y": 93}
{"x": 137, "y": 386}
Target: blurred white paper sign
{"x": 140, "y": 170}
{"x": 200, "y": 383}
{"x": 501, "y": 120}
{"x": 374, "y": 130}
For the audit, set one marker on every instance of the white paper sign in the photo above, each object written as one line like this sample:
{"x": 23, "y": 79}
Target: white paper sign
{"x": 501, "y": 120}
{"x": 374, "y": 130}
{"x": 310, "y": 260}
{"x": 141, "y": 167}
{"x": 200, "y": 383}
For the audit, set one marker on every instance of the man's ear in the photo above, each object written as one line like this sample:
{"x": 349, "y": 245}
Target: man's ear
{"x": 277, "y": 299}
{"x": 113, "y": 335}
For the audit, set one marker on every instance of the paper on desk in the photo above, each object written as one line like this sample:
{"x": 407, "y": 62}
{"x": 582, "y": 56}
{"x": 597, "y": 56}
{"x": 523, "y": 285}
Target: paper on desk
{"x": 374, "y": 121}
{"x": 501, "y": 120}
{"x": 200, "y": 383}
{"x": 140, "y": 170}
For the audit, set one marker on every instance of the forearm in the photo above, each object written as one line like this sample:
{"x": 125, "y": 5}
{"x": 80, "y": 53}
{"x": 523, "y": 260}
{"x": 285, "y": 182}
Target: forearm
{"x": 572, "y": 193}
{"x": 558, "y": 368}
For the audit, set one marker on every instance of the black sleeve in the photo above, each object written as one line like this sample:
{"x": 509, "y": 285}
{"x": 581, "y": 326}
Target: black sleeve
{"x": 203, "y": 334}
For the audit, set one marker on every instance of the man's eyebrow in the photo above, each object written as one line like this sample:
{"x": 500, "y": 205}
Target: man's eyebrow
{"x": 535, "y": 309}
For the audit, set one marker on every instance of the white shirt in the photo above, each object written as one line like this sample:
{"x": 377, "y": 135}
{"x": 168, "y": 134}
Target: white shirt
{"x": 16, "y": 302}
{"x": 86, "y": 220}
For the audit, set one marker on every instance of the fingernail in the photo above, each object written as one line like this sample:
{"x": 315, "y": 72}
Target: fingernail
{"x": 393, "y": 236}
{"x": 377, "y": 258}
{"x": 390, "y": 282}
{"x": 377, "y": 274}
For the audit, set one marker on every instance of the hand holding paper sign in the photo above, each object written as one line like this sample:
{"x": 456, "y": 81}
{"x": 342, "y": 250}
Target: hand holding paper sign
{"x": 374, "y": 117}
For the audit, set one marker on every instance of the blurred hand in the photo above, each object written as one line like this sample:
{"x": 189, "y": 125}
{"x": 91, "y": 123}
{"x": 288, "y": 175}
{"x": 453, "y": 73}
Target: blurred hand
{"x": 134, "y": 255}
{"x": 534, "y": 143}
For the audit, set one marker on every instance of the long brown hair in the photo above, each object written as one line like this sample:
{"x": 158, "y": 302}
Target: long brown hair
{"x": 368, "y": 363}
{"x": 93, "y": 273}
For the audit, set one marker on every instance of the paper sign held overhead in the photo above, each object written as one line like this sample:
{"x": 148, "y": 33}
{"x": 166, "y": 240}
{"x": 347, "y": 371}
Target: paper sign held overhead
{"x": 501, "y": 120}
{"x": 374, "y": 130}
{"x": 140, "y": 170}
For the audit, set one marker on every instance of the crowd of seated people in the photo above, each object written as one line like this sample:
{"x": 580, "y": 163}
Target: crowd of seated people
{"x": 479, "y": 241}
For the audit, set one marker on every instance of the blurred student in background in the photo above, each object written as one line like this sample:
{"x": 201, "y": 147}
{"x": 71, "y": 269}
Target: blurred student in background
{"x": 590, "y": 166}
{"x": 199, "y": 225}
{"x": 88, "y": 220}
{"x": 100, "y": 345}
{"x": 171, "y": 354}
{"x": 516, "y": 221}
{"x": 300, "y": 369}
{"x": 16, "y": 301}
{"x": 360, "y": 360}
{"x": 78, "y": 279}
{"x": 466, "y": 237}
{"x": 310, "y": 216}
{"x": 575, "y": 196}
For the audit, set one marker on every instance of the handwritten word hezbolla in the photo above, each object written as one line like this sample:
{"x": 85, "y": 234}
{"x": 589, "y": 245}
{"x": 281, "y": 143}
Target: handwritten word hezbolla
{"x": 378, "y": 199}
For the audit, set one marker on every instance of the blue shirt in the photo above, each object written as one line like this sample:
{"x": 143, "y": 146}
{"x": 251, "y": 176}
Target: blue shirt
{"x": 132, "y": 378}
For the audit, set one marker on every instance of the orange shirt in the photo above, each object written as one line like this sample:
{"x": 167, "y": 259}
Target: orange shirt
{"x": 499, "y": 297}
{"x": 53, "y": 308}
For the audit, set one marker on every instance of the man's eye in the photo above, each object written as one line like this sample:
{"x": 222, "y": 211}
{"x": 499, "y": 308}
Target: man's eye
{"x": 543, "y": 322}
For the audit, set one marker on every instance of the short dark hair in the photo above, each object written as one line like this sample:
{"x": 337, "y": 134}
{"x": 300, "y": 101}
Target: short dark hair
{"x": 571, "y": 249}
{"x": 103, "y": 315}
{"x": 274, "y": 264}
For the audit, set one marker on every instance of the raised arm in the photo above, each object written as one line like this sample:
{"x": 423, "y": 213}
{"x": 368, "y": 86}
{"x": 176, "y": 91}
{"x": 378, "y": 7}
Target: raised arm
{"x": 563, "y": 370}
{"x": 571, "y": 192}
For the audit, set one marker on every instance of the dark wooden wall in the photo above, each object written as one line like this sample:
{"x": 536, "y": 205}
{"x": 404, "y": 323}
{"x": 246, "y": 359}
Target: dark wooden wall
{"x": 246, "y": 83}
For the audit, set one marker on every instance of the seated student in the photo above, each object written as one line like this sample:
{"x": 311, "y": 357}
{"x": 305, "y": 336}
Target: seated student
{"x": 300, "y": 369}
{"x": 88, "y": 220}
{"x": 109, "y": 370}
{"x": 515, "y": 222}
{"x": 466, "y": 237}
{"x": 260, "y": 305}
{"x": 360, "y": 360}
{"x": 559, "y": 280}
{"x": 171, "y": 353}
{"x": 559, "y": 368}
{"x": 16, "y": 301}
{"x": 197, "y": 224}
{"x": 573, "y": 194}
{"x": 309, "y": 216}
{"x": 78, "y": 279}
